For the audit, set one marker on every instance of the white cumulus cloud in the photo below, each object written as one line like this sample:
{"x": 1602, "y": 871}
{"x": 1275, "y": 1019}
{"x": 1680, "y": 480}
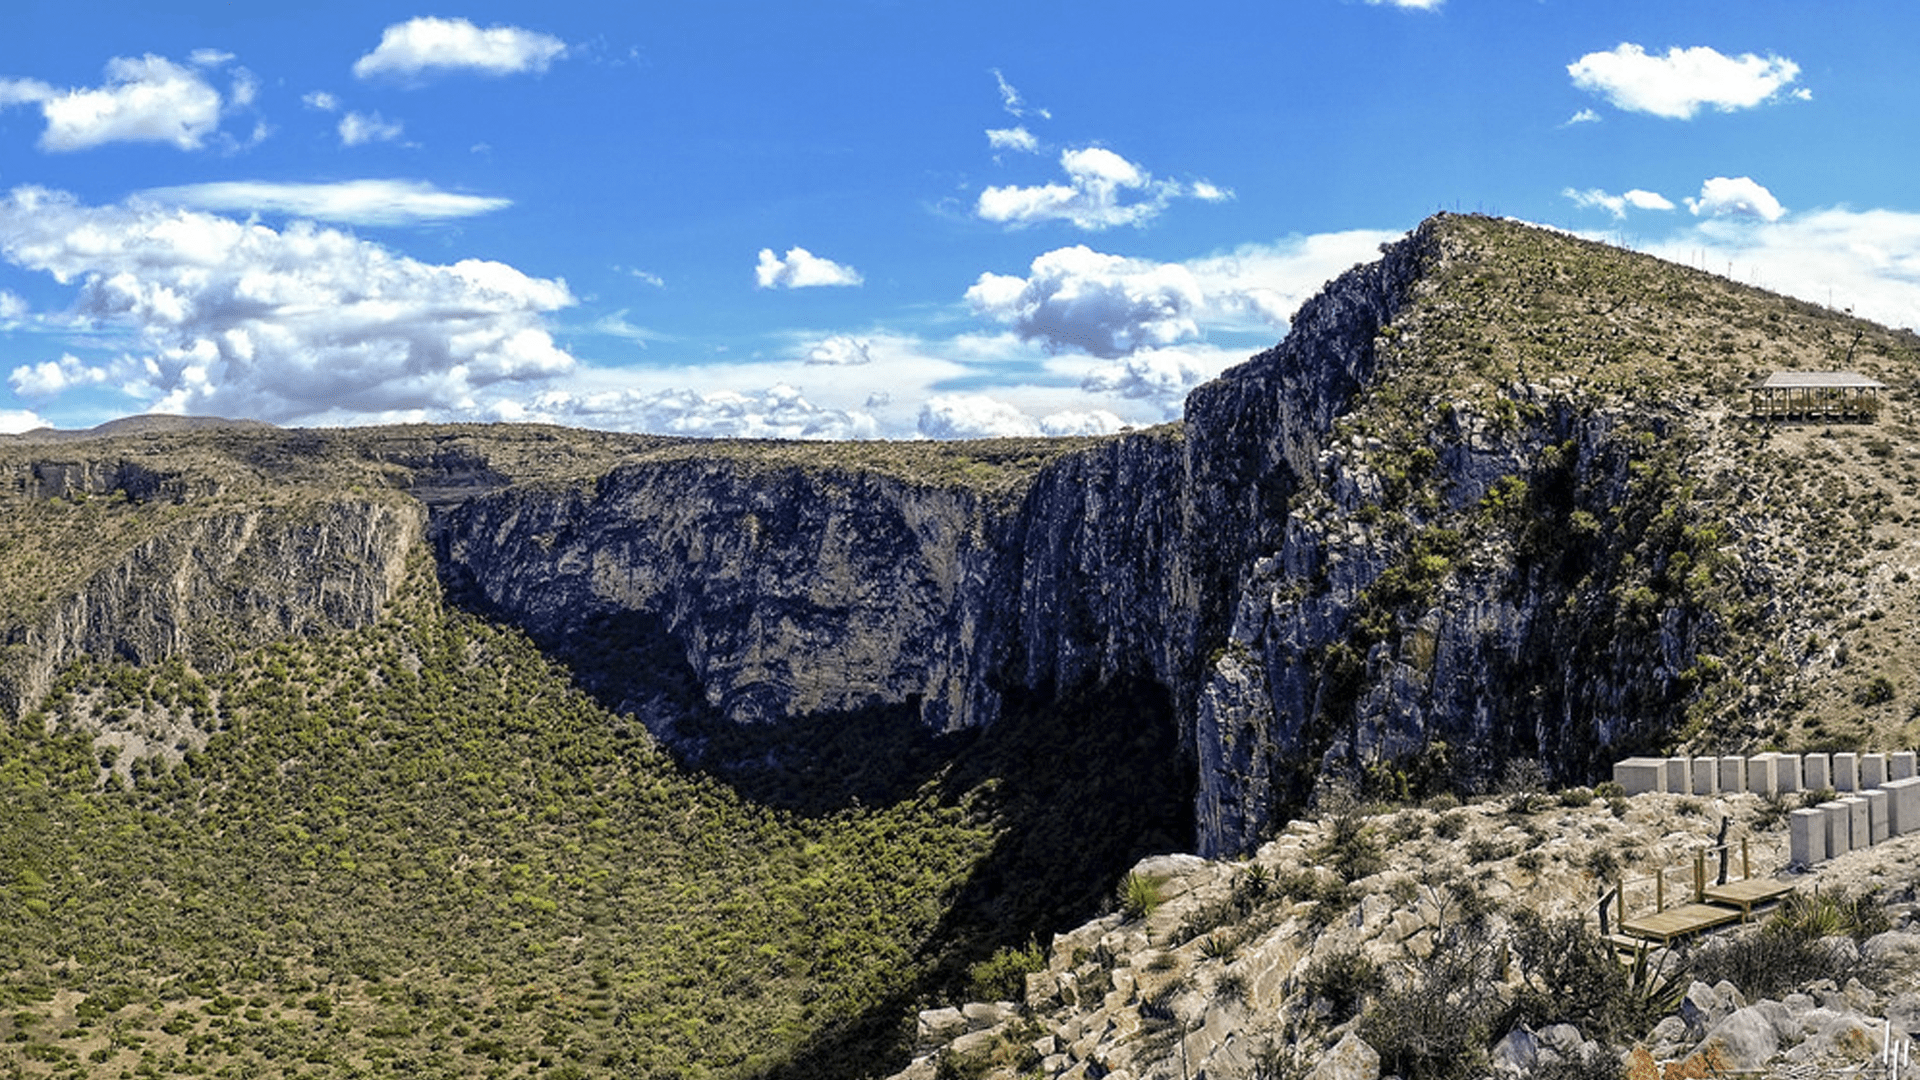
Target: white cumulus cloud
{"x": 353, "y": 202}
{"x": 1416, "y": 5}
{"x": 434, "y": 44}
{"x": 357, "y": 129}
{"x": 1617, "y": 205}
{"x": 305, "y": 323}
{"x": 1111, "y": 306}
{"x": 144, "y": 99}
{"x": 1102, "y": 190}
{"x": 1679, "y": 84}
{"x": 52, "y": 376}
{"x": 15, "y": 421}
{"x": 840, "y": 350}
{"x": 320, "y": 100}
{"x": 777, "y": 412}
{"x": 981, "y": 416}
{"x": 801, "y": 269}
{"x": 1739, "y": 196}
{"x": 12, "y": 306}
{"x": 1105, "y": 305}
{"x": 1157, "y": 373}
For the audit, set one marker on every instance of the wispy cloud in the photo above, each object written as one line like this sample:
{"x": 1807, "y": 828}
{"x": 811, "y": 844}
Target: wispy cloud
{"x": 357, "y": 129}
{"x": 1102, "y": 190}
{"x": 351, "y": 202}
{"x": 1618, "y": 205}
{"x": 1010, "y": 99}
{"x": 1013, "y": 138}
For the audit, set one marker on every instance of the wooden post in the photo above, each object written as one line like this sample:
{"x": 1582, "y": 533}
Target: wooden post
{"x": 1620, "y": 902}
{"x": 1699, "y": 876}
{"x": 1659, "y": 890}
{"x": 1746, "y": 860}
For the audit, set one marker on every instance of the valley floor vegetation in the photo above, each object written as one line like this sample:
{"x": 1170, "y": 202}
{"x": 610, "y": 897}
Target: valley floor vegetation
{"x": 421, "y": 850}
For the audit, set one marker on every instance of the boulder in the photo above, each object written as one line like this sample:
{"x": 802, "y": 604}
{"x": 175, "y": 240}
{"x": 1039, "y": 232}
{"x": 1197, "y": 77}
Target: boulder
{"x": 1898, "y": 949}
{"x": 1350, "y": 1059}
{"x": 1703, "y": 1007}
{"x": 1517, "y": 1053}
{"x": 1563, "y": 1039}
{"x": 941, "y": 1025}
{"x": 1670, "y": 1038}
{"x": 1746, "y": 1039}
{"x": 1843, "y": 1040}
{"x": 981, "y": 1015}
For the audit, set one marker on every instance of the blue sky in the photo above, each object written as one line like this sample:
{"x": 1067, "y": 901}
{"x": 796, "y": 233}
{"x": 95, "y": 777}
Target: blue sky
{"x": 881, "y": 219}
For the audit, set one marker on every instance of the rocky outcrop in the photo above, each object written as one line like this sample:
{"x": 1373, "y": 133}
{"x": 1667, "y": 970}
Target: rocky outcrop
{"x": 1273, "y": 965}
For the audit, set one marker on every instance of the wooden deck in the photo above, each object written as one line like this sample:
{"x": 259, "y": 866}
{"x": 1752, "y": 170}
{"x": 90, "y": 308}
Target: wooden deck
{"x": 1748, "y": 894}
{"x": 1679, "y": 921}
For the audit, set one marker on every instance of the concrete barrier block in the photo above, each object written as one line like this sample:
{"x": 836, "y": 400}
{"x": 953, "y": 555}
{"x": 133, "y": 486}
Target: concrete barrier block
{"x": 1859, "y": 823}
{"x": 1878, "y": 827}
{"x": 1733, "y": 775}
{"x": 1846, "y": 771}
{"x": 1903, "y": 805}
{"x": 1839, "y": 823}
{"x": 1806, "y": 837}
{"x": 1762, "y": 774}
{"x": 1706, "y": 776}
{"x": 1641, "y": 775}
{"x": 1679, "y": 776}
{"x": 1873, "y": 771}
{"x": 1815, "y": 772}
{"x": 1900, "y": 765}
{"x": 1786, "y": 773}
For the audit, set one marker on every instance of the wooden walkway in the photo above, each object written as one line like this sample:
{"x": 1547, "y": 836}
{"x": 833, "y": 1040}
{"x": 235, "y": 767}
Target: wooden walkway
{"x": 1677, "y": 922}
{"x": 1708, "y": 907}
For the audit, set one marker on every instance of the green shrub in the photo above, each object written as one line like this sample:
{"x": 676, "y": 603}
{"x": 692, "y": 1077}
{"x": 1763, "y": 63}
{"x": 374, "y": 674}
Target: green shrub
{"x": 1003, "y": 976}
{"x": 1139, "y": 895}
{"x": 1350, "y": 847}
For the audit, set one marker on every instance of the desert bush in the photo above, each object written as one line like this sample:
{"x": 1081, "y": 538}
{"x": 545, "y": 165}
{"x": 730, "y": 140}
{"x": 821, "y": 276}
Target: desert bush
{"x": 1575, "y": 797}
{"x": 1568, "y": 974}
{"x": 1346, "y": 977}
{"x": 1439, "y": 1024}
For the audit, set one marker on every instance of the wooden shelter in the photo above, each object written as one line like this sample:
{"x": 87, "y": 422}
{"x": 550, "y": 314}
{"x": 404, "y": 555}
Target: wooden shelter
{"x": 1817, "y": 395}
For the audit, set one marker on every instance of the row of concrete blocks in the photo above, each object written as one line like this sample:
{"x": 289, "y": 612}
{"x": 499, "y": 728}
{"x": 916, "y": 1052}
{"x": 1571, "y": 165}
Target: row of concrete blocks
{"x": 1763, "y": 774}
{"x": 1834, "y": 828}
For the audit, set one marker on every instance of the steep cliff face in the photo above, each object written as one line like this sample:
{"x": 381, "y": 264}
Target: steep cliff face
{"x": 790, "y": 591}
{"x": 117, "y": 556}
{"x": 795, "y": 591}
